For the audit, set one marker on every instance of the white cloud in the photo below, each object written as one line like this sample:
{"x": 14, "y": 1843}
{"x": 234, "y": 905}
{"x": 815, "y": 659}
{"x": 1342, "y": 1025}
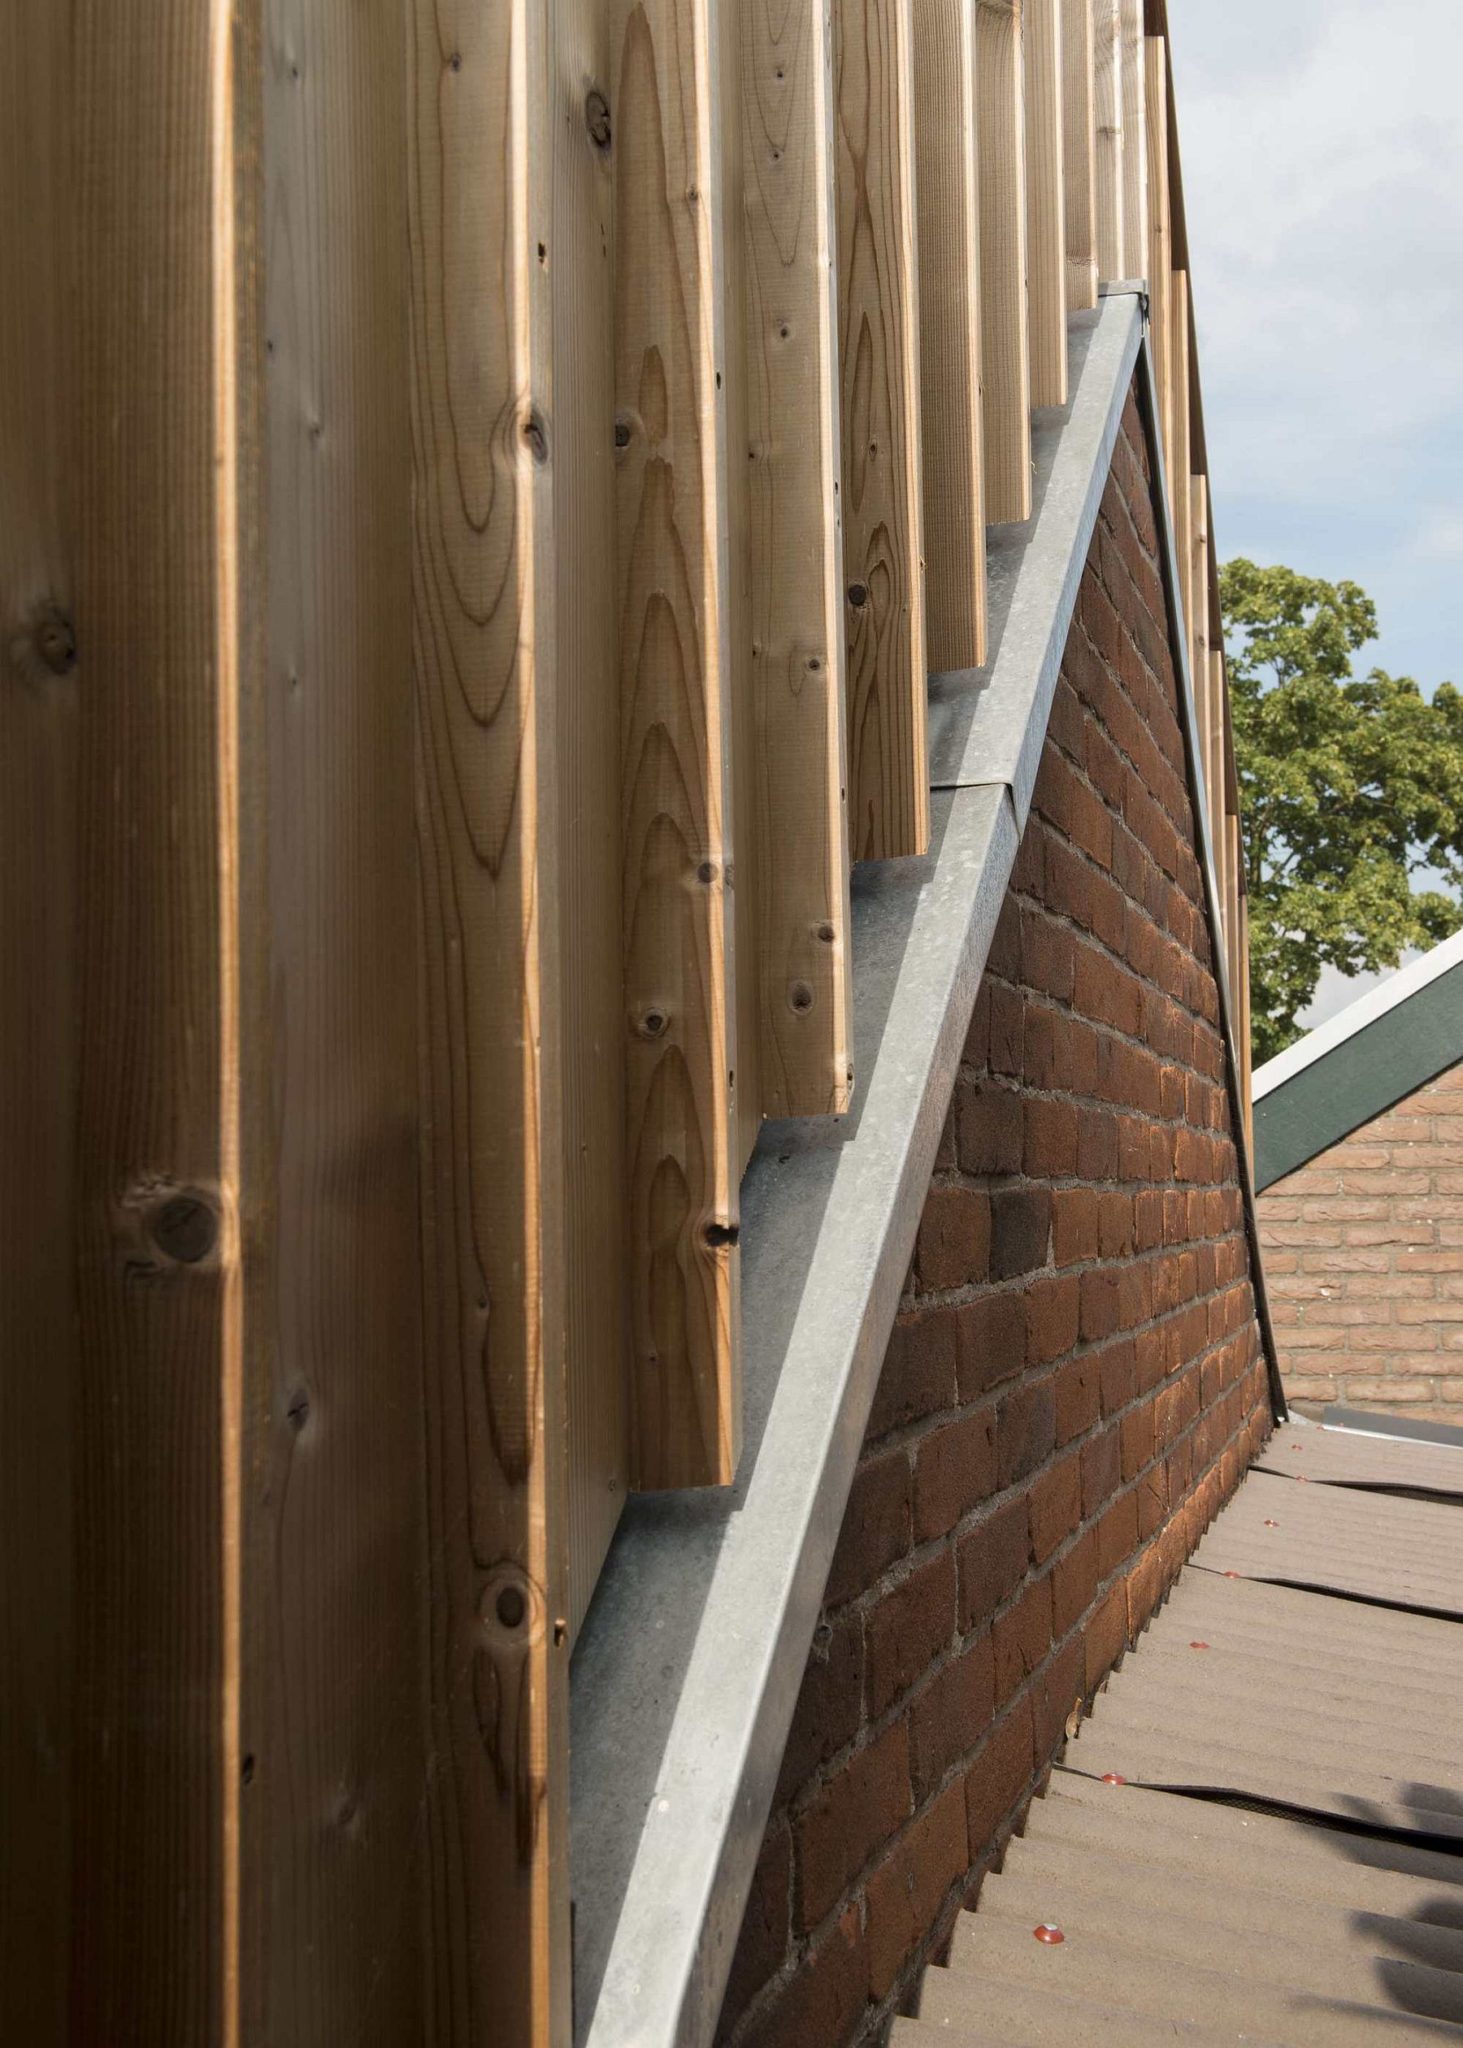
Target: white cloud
{"x": 1323, "y": 165}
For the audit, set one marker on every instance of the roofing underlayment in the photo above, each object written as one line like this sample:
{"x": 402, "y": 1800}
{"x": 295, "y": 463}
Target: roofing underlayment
{"x": 1258, "y": 1834}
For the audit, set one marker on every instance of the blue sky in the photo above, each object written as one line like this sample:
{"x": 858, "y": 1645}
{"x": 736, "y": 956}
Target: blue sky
{"x": 1323, "y": 173}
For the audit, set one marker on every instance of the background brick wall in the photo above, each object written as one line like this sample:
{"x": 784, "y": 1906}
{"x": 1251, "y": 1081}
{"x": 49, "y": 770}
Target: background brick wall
{"x": 1363, "y": 1251}
{"x": 1075, "y": 1381}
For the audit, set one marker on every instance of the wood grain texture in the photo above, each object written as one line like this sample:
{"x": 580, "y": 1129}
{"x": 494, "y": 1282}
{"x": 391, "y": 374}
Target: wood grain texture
{"x": 1132, "y": 60}
{"x": 581, "y": 270}
{"x": 1005, "y": 340}
{"x": 40, "y": 685}
{"x": 156, "y": 264}
{"x": 748, "y": 874}
{"x": 883, "y": 517}
{"x": 1199, "y": 642}
{"x": 338, "y": 1940}
{"x": 1046, "y": 202}
{"x": 1216, "y": 754}
{"x": 674, "y": 653}
{"x": 793, "y": 839}
{"x": 483, "y": 619}
{"x": 1159, "y": 266}
{"x": 1107, "y": 75}
{"x": 1178, "y": 476}
{"x": 1079, "y": 143}
{"x": 948, "y": 182}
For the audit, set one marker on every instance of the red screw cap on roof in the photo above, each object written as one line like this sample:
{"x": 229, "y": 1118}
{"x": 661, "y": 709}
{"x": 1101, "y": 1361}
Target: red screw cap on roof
{"x": 1046, "y": 1932}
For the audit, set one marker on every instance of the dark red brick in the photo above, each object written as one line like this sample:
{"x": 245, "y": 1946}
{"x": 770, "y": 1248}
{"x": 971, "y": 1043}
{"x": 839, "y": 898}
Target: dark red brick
{"x": 853, "y": 1814}
{"x": 954, "y": 1244}
{"x": 993, "y": 1561}
{"x": 954, "y": 1471}
{"x": 1021, "y": 1223}
{"x": 876, "y": 1525}
{"x": 908, "y": 1628}
{"x": 991, "y": 1333}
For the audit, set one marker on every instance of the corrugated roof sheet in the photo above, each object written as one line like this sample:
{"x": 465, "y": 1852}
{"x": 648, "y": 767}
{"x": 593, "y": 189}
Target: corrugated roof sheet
{"x": 1258, "y": 1834}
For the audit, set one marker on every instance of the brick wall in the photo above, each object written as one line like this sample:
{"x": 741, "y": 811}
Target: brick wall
{"x": 1074, "y": 1383}
{"x": 1363, "y": 1252}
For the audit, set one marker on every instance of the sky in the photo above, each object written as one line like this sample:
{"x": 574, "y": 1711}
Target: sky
{"x": 1322, "y": 146}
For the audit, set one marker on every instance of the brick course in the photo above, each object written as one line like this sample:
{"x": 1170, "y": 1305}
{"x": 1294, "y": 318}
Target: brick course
{"x": 1363, "y": 1251}
{"x": 1074, "y": 1382}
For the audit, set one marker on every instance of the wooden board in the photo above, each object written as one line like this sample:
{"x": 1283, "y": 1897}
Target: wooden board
{"x": 948, "y": 181}
{"x": 40, "y": 685}
{"x": 1159, "y": 267}
{"x": 334, "y": 1513}
{"x": 1133, "y": 62}
{"x": 747, "y": 872}
{"x": 1005, "y": 340}
{"x": 1046, "y": 230}
{"x": 1178, "y": 474}
{"x": 483, "y": 619}
{"x": 1217, "y": 761}
{"x": 673, "y": 638}
{"x": 792, "y": 860}
{"x": 155, "y": 259}
{"x": 1107, "y": 29}
{"x": 878, "y": 339}
{"x": 1079, "y": 151}
{"x": 597, "y": 1303}
{"x": 1199, "y": 593}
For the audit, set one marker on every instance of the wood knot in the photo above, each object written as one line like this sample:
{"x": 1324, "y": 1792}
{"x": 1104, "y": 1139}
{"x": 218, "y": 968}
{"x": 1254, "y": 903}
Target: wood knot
{"x": 55, "y": 640}
{"x": 184, "y": 1228}
{"x": 536, "y": 434}
{"x": 858, "y": 595}
{"x": 825, "y": 932}
{"x": 597, "y": 118}
{"x": 800, "y": 997}
{"x": 719, "y": 1234}
{"x": 651, "y": 1023}
{"x": 510, "y": 1612}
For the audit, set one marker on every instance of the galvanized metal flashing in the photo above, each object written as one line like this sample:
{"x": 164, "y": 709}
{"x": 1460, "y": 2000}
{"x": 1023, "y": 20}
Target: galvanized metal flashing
{"x": 1374, "y": 1062}
{"x": 689, "y": 1663}
{"x": 688, "y": 1667}
{"x": 989, "y": 724}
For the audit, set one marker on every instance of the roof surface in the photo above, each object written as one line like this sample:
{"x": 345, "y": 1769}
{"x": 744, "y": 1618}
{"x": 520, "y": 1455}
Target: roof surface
{"x": 1367, "y": 1057}
{"x": 1258, "y": 1835}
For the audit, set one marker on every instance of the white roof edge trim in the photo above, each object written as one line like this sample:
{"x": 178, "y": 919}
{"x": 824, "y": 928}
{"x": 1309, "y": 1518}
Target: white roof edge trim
{"x": 1358, "y": 1014}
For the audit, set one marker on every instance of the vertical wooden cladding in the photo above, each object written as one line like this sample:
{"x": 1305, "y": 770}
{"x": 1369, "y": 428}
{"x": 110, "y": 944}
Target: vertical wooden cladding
{"x": 883, "y": 547}
{"x": 1079, "y": 145}
{"x": 673, "y": 642}
{"x": 1107, "y": 58}
{"x": 597, "y": 1305}
{"x": 1046, "y": 213}
{"x": 483, "y": 439}
{"x": 137, "y": 582}
{"x": 1005, "y": 341}
{"x": 1132, "y": 61}
{"x": 1180, "y": 503}
{"x": 39, "y": 738}
{"x": 334, "y": 1513}
{"x": 1199, "y": 641}
{"x": 793, "y": 837}
{"x": 1158, "y": 267}
{"x": 947, "y": 179}
{"x": 1214, "y": 710}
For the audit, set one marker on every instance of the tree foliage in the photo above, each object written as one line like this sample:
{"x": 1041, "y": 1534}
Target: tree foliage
{"x": 1351, "y": 787}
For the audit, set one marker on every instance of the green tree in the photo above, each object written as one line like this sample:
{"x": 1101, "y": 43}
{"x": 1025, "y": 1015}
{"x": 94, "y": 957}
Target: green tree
{"x": 1351, "y": 786}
